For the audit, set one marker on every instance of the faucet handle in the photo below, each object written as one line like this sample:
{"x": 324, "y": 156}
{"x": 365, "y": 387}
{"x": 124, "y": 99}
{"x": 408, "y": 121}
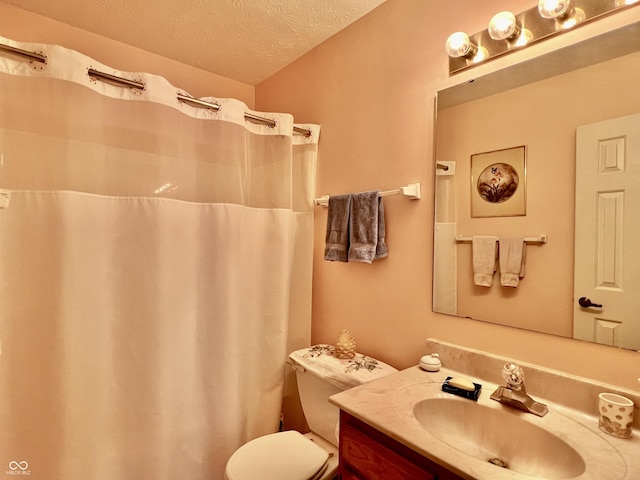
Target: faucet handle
{"x": 513, "y": 375}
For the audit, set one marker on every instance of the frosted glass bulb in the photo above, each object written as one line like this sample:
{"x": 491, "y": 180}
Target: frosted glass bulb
{"x": 459, "y": 45}
{"x": 503, "y": 26}
{"x": 554, "y": 8}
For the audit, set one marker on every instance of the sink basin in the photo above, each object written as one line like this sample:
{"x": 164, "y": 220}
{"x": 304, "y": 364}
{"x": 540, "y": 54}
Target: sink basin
{"x": 502, "y": 436}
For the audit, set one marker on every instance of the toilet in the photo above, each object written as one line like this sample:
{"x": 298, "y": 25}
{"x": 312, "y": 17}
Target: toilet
{"x": 290, "y": 455}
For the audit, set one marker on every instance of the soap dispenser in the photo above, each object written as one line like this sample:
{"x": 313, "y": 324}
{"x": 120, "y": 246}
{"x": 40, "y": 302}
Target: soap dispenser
{"x": 430, "y": 363}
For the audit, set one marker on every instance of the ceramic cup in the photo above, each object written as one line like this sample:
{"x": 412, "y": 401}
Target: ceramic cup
{"x": 616, "y": 414}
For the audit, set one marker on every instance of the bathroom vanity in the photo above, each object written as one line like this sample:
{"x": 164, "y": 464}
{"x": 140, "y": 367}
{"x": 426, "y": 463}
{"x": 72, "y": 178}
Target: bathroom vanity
{"x": 404, "y": 426}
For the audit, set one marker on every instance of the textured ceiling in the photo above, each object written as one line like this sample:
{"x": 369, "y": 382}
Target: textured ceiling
{"x": 246, "y": 40}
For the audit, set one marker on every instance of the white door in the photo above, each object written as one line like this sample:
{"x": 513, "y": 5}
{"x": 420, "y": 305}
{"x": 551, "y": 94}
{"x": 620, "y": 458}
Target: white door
{"x": 607, "y": 252}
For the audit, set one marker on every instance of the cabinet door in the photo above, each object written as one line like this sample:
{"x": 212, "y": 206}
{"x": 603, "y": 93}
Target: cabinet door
{"x": 372, "y": 460}
{"x": 346, "y": 474}
{"x": 368, "y": 454}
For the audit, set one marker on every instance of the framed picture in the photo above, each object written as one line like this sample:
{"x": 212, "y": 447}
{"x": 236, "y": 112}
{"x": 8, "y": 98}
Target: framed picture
{"x": 498, "y": 183}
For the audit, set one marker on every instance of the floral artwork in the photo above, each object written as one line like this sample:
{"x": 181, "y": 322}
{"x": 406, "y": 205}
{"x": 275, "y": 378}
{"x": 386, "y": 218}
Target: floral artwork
{"x": 614, "y": 428}
{"x": 317, "y": 350}
{"x": 358, "y": 362}
{"x": 498, "y": 183}
{"x": 362, "y": 362}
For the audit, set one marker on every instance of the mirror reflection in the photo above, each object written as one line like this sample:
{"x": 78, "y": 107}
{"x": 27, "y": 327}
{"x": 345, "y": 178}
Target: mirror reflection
{"x": 567, "y": 106}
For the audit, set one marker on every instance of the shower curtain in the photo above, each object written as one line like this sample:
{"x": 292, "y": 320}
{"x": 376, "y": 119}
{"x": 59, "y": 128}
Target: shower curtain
{"x": 155, "y": 270}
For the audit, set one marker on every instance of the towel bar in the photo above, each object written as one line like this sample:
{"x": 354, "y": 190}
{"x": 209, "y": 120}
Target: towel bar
{"x": 538, "y": 239}
{"x": 412, "y": 191}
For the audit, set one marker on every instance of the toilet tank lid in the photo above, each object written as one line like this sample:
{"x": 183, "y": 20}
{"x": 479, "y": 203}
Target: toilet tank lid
{"x": 344, "y": 374}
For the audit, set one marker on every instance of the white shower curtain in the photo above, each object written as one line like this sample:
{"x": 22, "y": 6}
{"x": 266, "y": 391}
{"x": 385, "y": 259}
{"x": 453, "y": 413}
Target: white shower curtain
{"x": 155, "y": 270}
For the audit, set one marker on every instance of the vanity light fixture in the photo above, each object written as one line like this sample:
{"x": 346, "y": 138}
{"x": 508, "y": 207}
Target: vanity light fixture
{"x": 565, "y": 14}
{"x": 507, "y": 30}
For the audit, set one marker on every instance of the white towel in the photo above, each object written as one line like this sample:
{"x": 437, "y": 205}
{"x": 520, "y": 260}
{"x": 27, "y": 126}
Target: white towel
{"x": 512, "y": 258}
{"x": 484, "y": 251}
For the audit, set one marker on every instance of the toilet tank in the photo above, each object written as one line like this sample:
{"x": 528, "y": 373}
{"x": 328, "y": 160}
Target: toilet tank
{"x": 319, "y": 375}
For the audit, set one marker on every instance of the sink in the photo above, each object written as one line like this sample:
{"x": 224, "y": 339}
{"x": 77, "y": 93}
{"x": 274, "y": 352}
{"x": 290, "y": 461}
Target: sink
{"x": 505, "y": 437}
{"x": 462, "y": 435}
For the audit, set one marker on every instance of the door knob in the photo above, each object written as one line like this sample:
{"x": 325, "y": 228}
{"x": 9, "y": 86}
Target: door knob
{"x": 586, "y": 303}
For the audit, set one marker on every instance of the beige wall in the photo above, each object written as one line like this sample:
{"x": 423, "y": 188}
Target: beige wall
{"x": 22, "y": 26}
{"x": 372, "y": 88}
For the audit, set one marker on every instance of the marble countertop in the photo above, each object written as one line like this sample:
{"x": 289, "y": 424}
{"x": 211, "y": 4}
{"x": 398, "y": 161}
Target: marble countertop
{"x": 387, "y": 405}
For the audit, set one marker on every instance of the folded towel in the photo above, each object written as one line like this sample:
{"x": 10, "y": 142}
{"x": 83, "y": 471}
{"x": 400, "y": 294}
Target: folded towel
{"x": 512, "y": 258}
{"x": 363, "y": 226}
{"x": 337, "y": 238}
{"x": 484, "y": 251}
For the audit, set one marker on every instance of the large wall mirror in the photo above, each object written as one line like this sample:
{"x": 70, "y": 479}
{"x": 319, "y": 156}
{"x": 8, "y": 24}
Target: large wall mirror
{"x": 576, "y": 112}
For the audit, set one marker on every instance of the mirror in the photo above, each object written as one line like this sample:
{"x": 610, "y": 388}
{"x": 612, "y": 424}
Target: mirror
{"x": 538, "y": 104}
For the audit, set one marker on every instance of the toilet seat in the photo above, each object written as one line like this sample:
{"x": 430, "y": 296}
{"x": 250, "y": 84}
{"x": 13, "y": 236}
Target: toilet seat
{"x": 284, "y": 456}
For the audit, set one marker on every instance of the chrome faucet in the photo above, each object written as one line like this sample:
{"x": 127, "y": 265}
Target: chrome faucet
{"x": 514, "y": 394}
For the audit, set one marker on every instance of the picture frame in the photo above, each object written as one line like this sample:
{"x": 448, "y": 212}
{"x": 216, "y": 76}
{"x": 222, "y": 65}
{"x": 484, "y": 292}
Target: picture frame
{"x": 498, "y": 183}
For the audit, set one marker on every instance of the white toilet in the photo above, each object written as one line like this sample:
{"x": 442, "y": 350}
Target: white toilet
{"x": 291, "y": 455}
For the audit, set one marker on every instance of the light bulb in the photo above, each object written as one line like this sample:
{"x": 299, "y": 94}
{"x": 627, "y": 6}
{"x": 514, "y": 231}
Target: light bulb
{"x": 504, "y": 26}
{"x": 563, "y": 11}
{"x": 555, "y": 8}
{"x": 459, "y": 45}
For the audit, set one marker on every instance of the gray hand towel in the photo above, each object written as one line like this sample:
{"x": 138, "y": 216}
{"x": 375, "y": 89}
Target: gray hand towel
{"x": 364, "y": 227}
{"x": 337, "y": 238}
{"x": 381, "y": 247}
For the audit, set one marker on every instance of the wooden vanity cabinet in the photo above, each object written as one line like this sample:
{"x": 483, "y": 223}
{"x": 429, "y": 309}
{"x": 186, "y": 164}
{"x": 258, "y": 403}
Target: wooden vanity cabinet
{"x": 368, "y": 454}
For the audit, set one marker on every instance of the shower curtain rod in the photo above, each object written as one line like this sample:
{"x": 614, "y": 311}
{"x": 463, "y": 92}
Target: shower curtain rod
{"x": 187, "y": 99}
{"x": 38, "y": 57}
{"x": 248, "y": 116}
